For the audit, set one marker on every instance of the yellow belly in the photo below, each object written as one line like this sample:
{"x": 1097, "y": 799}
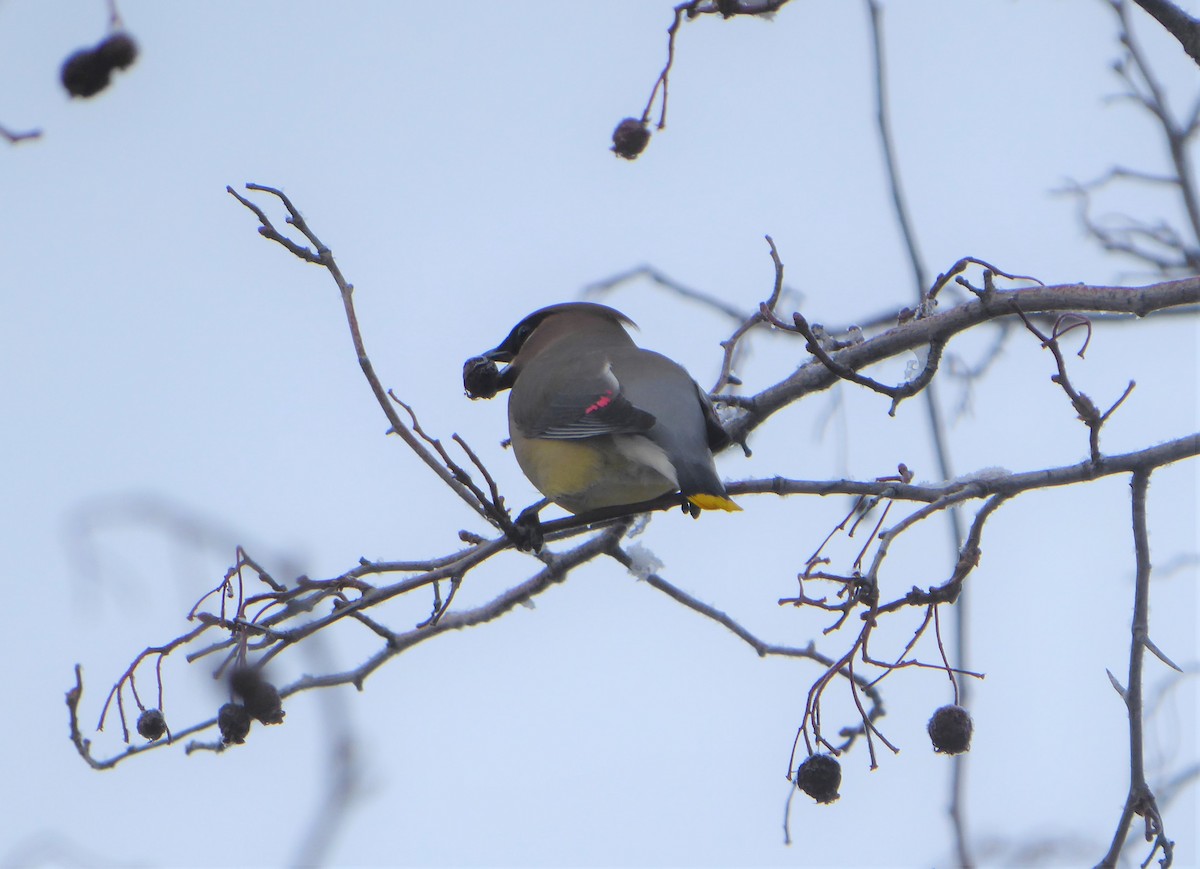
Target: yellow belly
{"x": 587, "y": 474}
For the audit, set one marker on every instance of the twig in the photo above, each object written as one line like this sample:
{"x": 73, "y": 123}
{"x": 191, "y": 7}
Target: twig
{"x": 708, "y": 300}
{"x": 1140, "y": 799}
{"x": 1159, "y": 246}
{"x": 896, "y": 393}
{"x": 816, "y": 376}
{"x": 765, "y": 649}
{"x": 555, "y": 571}
{"x": 13, "y": 138}
{"x": 322, "y": 256}
{"x": 732, "y": 344}
{"x": 984, "y": 485}
{"x": 1178, "y": 23}
{"x": 989, "y": 272}
{"x": 690, "y": 10}
{"x": 1088, "y": 413}
{"x": 937, "y": 428}
{"x": 899, "y": 206}
{"x": 1155, "y": 101}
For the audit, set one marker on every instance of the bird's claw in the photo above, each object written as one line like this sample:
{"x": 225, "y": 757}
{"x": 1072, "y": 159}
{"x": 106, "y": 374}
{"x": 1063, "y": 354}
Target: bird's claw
{"x": 526, "y": 532}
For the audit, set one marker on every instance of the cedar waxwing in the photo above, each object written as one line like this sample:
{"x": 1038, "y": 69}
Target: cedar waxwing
{"x": 596, "y": 421}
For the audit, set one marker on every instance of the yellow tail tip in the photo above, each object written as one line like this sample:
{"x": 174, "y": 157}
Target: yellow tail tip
{"x": 714, "y": 502}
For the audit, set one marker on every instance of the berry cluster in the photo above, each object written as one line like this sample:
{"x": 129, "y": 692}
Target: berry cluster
{"x": 86, "y": 72}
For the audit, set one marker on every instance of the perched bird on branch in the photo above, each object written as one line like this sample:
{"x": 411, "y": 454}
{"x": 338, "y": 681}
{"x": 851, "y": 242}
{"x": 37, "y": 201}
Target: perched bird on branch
{"x": 597, "y": 422}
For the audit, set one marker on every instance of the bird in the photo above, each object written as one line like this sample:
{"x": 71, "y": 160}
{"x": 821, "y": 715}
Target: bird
{"x": 597, "y": 422}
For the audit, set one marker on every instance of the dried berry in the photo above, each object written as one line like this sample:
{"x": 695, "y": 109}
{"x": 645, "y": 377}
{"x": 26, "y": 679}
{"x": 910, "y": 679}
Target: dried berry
{"x": 630, "y": 138}
{"x": 234, "y": 723}
{"x": 950, "y": 730}
{"x": 85, "y": 73}
{"x": 819, "y": 777}
{"x": 481, "y": 378}
{"x": 118, "y": 50}
{"x": 151, "y": 724}
{"x": 259, "y": 696}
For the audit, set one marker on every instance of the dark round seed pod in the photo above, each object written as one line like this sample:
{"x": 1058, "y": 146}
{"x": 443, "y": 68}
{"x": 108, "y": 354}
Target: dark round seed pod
{"x": 819, "y": 776}
{"x": 234, "y": 723}
{"x": 481, "y": 378}
{"x": 85, "y": 73}
{"x": 950, "y": 730}
{"x": 151, "y": 724}
{"x": 259, "y": 696}
{"x": 630, "y": 138}
{"x": 118, "y": 50}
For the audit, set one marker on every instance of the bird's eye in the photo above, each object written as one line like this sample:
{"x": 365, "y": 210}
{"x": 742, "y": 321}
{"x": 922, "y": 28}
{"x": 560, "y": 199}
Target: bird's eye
{"x": 524, "y": 331}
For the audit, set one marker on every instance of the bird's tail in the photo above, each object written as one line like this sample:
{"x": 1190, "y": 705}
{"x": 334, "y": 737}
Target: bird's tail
{"x": 714, "y": 502}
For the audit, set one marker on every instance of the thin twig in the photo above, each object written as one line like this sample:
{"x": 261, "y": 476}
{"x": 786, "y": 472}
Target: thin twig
{"x": 1140, "y": 799}
{"x": 920, "y": 332}
{"x": 937, "y": 427}
{"x": 985, "y": 484}
{"x": 322, "y": 256}
{"x": 13, "y": 138}
{"x": 708, "y": 300}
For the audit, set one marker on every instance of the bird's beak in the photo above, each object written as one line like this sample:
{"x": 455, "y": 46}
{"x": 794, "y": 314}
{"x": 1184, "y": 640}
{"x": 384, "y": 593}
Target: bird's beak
{"x": 506, "y": 376}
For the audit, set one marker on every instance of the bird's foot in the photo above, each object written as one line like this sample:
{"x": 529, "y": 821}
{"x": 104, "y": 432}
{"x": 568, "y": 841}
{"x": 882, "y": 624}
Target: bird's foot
{"x": 526, "y": 532}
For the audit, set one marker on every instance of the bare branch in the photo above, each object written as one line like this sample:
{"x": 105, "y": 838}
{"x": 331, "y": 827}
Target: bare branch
{"x": 909, "y": 388}
{"x": 816, "y": 376}
{"x": 13, "y": 137}
{"x": 1178, "y": 23}
{"x": 1088, "y": 413}
{"x": 1140, "y": 799}
{"x": 690, "y": 10}
{"x": 986, "y": 484}
{"x": 322, "y": 256}
{"x": 899, "y": 204}
{"x": 708, "y": 300}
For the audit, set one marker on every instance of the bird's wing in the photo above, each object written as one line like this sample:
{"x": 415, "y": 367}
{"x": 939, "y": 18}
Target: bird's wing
{"x": 715, "y": 433}
{"x": 583, "y": 407}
